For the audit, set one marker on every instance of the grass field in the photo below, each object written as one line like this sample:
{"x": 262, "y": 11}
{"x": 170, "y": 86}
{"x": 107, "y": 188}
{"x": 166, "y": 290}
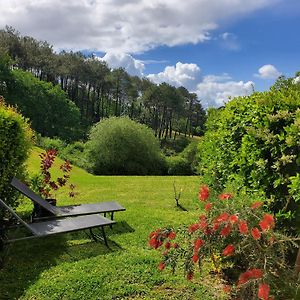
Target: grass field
{"x": 73, "y": 267}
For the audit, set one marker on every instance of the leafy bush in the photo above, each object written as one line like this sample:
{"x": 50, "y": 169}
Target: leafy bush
{"x": 240, "y": 244}
{"x": 184, "y": 163}
{"x": 178, "y": 165}
{"x": 15, "y": 141}
{"x": 75, "y": 153}
{"x": 122, "y": 146}
{"x": 48, "y": 143}
{"x": 255, "y": 142}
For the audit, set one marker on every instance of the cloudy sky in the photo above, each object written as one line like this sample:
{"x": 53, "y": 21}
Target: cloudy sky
{"x": 216, "y": 48}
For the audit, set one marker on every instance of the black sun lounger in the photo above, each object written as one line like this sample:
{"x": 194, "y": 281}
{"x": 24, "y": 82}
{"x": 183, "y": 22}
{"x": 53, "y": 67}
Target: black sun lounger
{"x": 56, "y": 226}
{"x": 67, "y": 211}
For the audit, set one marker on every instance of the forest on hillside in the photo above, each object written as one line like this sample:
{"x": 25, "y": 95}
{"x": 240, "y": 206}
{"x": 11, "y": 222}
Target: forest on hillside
{"x": 97, "y": 91}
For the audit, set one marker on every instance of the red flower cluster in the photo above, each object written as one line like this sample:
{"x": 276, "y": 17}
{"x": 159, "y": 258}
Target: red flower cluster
{"x": 263, "y": 291}
{"x": 250, "y": 274}
{"x": 203, "y": 193}
{"x": 158, "y": 237}
{"x": 256, "y": 205}
{"x": 255, "y": 233}
{"x": 267, "y": 222}
{"x": 243, "y": 227}
{"x": 155, "y": 239}
{"x": 229, "y": 250}
{"x": 225, "y": 196}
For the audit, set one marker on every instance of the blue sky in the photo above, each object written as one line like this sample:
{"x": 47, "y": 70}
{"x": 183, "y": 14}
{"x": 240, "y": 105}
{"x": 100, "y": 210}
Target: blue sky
{"x": 216, "y": 48}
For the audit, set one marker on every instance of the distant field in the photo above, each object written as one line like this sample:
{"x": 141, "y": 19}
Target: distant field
{"x": 73, "y": 267}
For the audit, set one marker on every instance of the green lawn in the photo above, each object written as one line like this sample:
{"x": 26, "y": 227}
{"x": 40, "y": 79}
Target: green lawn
{"x": 73, "y": 267}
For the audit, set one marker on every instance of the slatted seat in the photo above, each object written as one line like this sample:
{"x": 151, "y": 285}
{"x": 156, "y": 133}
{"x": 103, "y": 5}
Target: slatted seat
{"x": 62, "y": 225}
{"x": 71, "y": 210}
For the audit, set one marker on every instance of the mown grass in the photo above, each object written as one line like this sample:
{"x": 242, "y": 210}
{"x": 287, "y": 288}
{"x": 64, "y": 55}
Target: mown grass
{"x": 71, "y": 266}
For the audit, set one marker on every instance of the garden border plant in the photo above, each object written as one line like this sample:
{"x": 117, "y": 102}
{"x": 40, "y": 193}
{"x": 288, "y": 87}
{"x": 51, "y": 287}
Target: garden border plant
{"x": 241, "y": 244}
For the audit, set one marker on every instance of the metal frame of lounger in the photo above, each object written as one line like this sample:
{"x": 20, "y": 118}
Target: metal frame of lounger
{"x": 71, "y": 210}
{"x": 61, "y": 225}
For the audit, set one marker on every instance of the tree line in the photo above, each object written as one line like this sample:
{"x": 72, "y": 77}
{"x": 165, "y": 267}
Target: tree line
{"x": 100, "y": 92}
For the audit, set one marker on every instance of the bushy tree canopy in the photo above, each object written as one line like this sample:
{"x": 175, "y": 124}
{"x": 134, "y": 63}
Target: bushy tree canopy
{"x": 122, "y": 146}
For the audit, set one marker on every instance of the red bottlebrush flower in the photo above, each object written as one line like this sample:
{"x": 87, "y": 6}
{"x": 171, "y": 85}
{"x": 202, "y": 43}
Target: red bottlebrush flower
{"x": 269, "y": 218}
{"x": 256, "y": 205}
{"x": 208, "y": 206}
{"x": 155, "y": 243}
{"x": 198, "y": 244}
{"x": 244, "y": 277}
{"x": 267, "y": 222}
{"x": 172, "y": 235}
{"x": 194, "y": 227}
{"x": 225, "y": 196}
{"x": 222, "y": 217}
{"x": 190, "y": 275}
{"x": 250, "y": 274}
{"x": 195, "y": 258}
{"x": 255, "y": 233}
{"x": 229, "y": 250}
{"x": 256, "y": 273}
{"x": 161, "y": 266}
{"x": 203, "y": 193}
{"x": 175, "y": 245}
{"x": 233, "y": 219}
{"x": 226, "y": 230}
{"x": 216, "y": 226}
{"x": 168, "y": 245}
{"x": 243, "y": 227}
{"x": 263, "y": 291}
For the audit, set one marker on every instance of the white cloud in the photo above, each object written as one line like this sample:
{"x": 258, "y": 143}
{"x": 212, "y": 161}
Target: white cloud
{"x": 296, "y": 80}
{"x": 268, "y": 72}
{"x": 212, "y": 90}
{"x": 127, "y": 26}
{"x": 187, "y": 75}
{"x": 116, "y": 60}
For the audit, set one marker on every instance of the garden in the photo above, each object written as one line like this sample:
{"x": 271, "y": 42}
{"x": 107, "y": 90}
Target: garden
{"x": 207, "y": 216}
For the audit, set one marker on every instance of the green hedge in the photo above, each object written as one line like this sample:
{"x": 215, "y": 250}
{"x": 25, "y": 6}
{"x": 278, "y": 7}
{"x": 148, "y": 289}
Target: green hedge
{"x": 15, "y": 142}
{"x": 254, "y": 141}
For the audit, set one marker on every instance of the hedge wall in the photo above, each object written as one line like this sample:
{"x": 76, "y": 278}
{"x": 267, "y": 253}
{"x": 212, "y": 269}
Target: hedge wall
{"x": 15, "y": 142}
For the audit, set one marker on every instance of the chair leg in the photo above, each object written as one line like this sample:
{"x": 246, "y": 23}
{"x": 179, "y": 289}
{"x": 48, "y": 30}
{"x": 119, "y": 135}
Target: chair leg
{"x": 112, "y": 218}
{"x": 104, "y": 236}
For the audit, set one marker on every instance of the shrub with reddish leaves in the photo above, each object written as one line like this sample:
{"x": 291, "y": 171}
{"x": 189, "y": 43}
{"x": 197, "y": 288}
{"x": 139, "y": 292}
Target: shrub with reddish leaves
{"x": 241, "y": 244}
{"x": 43, "y": 184}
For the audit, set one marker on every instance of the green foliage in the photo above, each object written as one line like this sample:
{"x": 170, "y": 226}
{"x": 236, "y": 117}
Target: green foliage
{"x": 48, "y": 143}
{"x": 174, "y": 146}
{"x": 185, "y": 162}
{"x": 122, "y": 146}
{"x": 15, "y": 142}
{"x": 254, "y": 141}
{"x": 50, "y": 111}
{"x": 75, "y": 154}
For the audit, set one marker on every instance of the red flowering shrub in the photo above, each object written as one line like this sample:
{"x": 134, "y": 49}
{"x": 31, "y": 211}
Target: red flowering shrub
{"x": 241, "y": 244}
{"x": 43, "y": 183}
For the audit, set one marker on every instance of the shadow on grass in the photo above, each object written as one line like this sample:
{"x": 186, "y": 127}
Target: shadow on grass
{"x": 120, "y": 228}
{"x": 180, "y": 207}
{"x": 26, "y": 260}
